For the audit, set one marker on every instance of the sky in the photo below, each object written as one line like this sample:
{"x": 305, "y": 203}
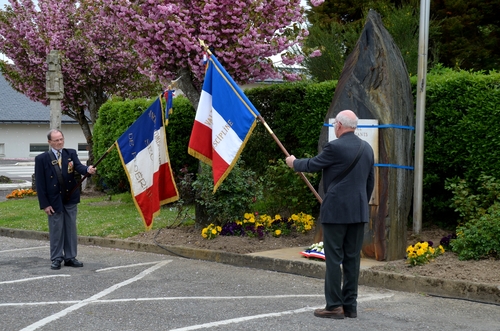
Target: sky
{"x": 3, "y": 3}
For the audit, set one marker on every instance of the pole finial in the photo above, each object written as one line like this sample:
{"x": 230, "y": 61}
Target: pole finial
{"x": 205, "y": 47}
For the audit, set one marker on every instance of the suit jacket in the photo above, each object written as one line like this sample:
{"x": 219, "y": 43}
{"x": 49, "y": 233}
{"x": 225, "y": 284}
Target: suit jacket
{"x": 346, "y": 202}
{"x": 48, "y": 189}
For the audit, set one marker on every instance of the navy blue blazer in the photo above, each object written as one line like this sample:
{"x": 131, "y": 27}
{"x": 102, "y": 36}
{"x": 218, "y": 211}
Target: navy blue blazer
{"x": 48, "y": 189}
{"x": 348, "y": 201}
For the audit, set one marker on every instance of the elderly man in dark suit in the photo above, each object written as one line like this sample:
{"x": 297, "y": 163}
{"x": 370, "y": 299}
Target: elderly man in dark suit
{"x": 55, "y": 180}
{"x": 348, "y": 179}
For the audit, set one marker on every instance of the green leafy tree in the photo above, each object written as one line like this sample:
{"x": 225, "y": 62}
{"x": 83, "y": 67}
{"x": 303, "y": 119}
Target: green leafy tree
{"x": 470, "y": 33}
{"x": 464, "y": 33}
{"x": 334, "y": 42}
{"x": 335, "y": 30}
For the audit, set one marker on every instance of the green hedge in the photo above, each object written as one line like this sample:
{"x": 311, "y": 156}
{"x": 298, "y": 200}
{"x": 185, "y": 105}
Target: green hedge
{"x": 295, "y": 112}
{"x": 462, "y": 136}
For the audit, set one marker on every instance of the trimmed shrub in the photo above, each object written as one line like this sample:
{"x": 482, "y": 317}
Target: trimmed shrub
{"x": 479, "y": 234}
{"x": 231, "y": 200}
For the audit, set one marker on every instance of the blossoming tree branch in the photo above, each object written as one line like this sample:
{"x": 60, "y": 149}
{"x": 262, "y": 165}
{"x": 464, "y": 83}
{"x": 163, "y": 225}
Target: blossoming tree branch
{"x": 243, "y": 34}
{"x": 96, "y": 60}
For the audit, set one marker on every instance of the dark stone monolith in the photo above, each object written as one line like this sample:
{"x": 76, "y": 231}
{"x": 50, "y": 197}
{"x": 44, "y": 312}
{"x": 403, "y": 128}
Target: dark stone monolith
{"x": 375, "y": 85}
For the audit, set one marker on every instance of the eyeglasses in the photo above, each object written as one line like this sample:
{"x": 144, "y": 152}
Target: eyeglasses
{"x": 335, "y": 122}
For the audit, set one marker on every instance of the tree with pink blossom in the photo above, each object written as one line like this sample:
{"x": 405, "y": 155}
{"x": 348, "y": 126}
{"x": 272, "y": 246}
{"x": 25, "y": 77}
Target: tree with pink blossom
{"x": 243, "y": 34}
{"x": 96, "y": 60}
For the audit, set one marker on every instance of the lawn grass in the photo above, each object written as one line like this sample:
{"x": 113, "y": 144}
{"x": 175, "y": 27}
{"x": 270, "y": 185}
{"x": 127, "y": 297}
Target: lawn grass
{"x": 104, "y": 216}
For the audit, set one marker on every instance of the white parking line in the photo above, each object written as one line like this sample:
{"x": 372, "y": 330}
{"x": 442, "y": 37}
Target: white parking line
{"x": 267, "y": 297}
{"x": 127, "y": 266}
{"x": 30, "y": 279}
{"x": 44, "y": 303}
{"x": 93, "y": 298}
{"x": 23, "y": 249}
{"x": 253, "y": 297}
{"x": 279, "y": 314}
{"x": 245, "y": 319}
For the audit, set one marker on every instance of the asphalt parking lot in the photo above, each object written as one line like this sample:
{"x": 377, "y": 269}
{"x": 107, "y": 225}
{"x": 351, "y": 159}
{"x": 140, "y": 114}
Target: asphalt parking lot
{"x": 130, "y": 290}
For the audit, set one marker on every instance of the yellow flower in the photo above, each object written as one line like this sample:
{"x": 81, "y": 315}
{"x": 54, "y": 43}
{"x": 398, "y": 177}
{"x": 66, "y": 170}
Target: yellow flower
{"x": 214, "y": 231}
{"x": 420, "y": 252}
{"x": 219, "y": 229}
{"x": 277, "y": 233}
{"x": 295, "y": 217}
{"x": 441, "y": 249}
{"x": 277, "y": 217}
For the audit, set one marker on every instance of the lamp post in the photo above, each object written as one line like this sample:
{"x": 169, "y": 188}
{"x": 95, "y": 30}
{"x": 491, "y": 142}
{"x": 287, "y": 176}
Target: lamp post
{"x": 423, "y": 46}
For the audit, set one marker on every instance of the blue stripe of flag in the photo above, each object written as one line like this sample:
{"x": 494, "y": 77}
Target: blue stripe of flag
{"x": 141, "y": 133}
{"x": 228, "y": 99}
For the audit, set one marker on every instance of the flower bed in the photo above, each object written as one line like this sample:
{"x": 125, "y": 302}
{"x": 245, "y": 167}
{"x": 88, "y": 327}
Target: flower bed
{"x": 255, "y": 225}
{"x": 21, "y": 193}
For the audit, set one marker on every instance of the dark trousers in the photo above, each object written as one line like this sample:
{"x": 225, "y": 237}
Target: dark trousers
{"x": 342, "y": 244}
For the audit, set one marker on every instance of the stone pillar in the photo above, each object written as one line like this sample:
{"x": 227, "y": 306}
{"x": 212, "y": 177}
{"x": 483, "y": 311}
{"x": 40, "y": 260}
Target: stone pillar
{"x": 375, "y": 85}
{"x": 54, "y": 88}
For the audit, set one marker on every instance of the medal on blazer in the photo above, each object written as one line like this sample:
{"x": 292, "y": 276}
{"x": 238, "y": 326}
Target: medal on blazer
{"x": 70, "y": 166}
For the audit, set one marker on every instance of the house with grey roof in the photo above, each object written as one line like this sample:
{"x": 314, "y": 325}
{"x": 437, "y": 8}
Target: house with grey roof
{"x": 24, "y": 125}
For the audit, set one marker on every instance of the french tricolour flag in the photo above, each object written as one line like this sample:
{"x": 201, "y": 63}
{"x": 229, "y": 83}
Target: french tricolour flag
{"x": 224, "y": 121}
{"x": 144, "y": 155}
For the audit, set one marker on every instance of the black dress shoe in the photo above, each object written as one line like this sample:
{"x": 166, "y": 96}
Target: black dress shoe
{"x": 56, "y": 265}
{"x": 73, "y": 263}
{"x": 350, "y": 314}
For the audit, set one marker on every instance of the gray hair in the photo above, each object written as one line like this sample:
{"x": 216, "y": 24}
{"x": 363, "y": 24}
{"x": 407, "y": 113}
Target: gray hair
{"x": 347, "y": 121}
{"x": 51, "y": 131}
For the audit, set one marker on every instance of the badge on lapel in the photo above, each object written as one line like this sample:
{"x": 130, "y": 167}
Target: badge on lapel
{"x": 70, "y": 166}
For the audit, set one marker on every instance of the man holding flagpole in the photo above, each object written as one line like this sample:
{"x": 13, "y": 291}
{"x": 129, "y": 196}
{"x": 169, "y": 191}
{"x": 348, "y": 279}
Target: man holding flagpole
{"x": 348, "y": 179}
{"x": 55, "y": 182}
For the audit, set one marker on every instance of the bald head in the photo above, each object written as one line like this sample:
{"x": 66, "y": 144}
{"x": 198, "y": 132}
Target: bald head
{"x": 348, "y": 119}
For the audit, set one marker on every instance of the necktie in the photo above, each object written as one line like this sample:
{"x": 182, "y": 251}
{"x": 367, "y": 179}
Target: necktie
{"x": 59, "y": 160}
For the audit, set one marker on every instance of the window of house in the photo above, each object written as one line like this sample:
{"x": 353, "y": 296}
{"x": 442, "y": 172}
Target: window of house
{"x": 2, "y": 149}
{"x": 83, "y": 147}
{"x": 35, "y": 148}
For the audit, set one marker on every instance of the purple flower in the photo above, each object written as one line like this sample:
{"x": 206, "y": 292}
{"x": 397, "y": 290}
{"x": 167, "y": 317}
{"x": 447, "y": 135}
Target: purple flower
{"x": 316, "y": 53}
{"x": 316, "y": 3}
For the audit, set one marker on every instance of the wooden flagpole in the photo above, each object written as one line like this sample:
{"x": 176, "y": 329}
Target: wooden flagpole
{"x": 287, "y": 155}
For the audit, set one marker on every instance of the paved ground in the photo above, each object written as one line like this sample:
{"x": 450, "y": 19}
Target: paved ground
{"x": 131, "y": 290}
